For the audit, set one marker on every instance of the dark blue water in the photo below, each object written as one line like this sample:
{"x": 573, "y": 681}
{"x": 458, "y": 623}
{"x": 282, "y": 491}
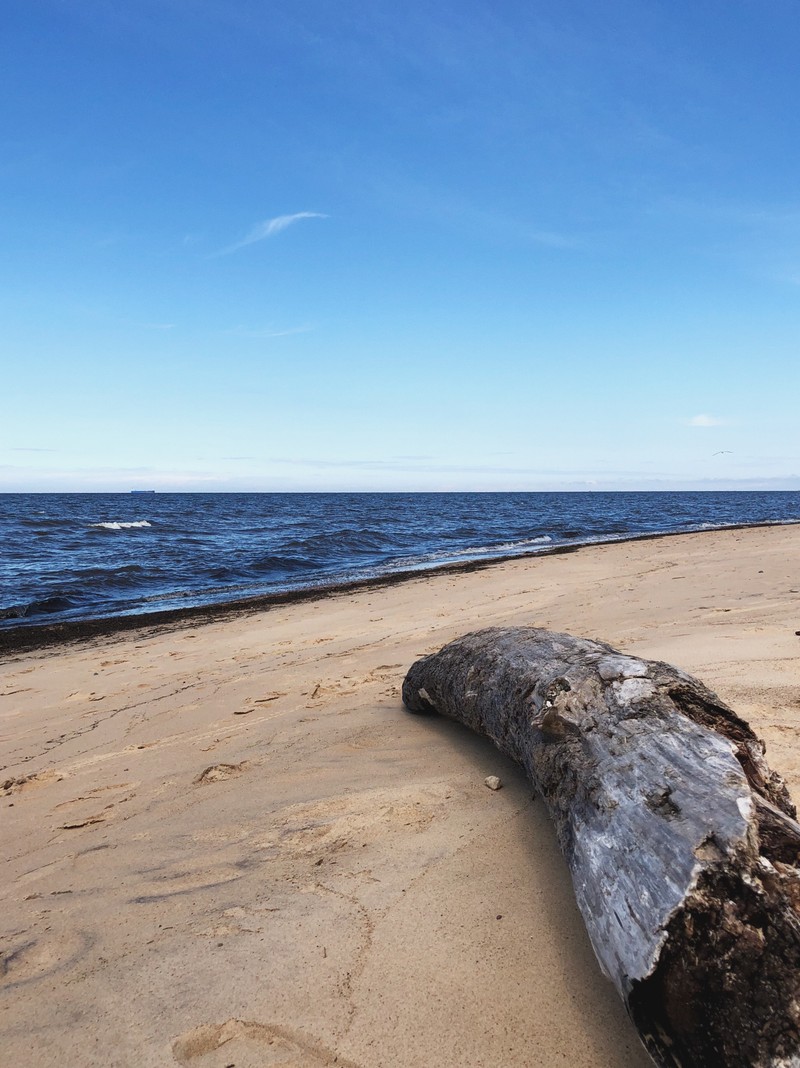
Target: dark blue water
{"x": 83, "y": 556}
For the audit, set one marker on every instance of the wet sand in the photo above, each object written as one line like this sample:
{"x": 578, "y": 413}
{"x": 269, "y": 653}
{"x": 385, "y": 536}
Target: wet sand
{"x": 225, "y": 842}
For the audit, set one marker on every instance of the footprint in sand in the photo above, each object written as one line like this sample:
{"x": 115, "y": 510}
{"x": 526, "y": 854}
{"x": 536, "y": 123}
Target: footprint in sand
{"x": 251, "y": 704}
{"x": 252, "y": 1045}
{"x": 91, "y": 795}
{"x": 353, "y": 821}
{"x": 25, "y": 782}
{"x": 89, "y": 821}
{"x": 28, "y": 959}
{"x": 175, "y": 884}
{"x": 89, "y": 800}
{"x": 218, "y": 772}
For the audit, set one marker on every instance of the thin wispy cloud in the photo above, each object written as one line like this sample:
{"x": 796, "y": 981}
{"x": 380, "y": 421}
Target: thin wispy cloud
{"x": 552, "y": 239}
{"x": 772, "y": 215}
{"x": 269, "y": 332}
{"x": 269, "y": 228}
{"x": 705, "y": 420}
{"x": 145, "y": 324}
{"x": 761, "y": 238}
{"x": 429, "y": 465}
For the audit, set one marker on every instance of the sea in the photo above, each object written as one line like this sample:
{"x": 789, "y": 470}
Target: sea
{"x": 90, "y": 556}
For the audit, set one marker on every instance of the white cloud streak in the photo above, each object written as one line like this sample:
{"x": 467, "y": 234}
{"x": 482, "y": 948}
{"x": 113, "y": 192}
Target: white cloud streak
{"x": 551, "y": 239}
{"x": 269, "y": 332}
{"x": 705, "y": 420}
{"x": 269, "y": 228}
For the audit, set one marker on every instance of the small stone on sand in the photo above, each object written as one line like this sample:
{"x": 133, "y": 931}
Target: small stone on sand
{"x": 492, "y": 782}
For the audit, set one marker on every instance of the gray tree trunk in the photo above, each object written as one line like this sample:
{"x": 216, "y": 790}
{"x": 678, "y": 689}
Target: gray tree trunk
{"x": 682, "y": 844}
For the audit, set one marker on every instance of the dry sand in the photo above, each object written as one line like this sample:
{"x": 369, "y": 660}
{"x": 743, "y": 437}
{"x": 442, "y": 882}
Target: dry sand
{"x": 229, "y": 845}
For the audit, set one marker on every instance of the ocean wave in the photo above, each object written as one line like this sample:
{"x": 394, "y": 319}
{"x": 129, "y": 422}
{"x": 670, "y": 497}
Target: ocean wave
{"x": 510, "y": 546}
{"x": 283, "y": 564}
{"x": 60, "y": 562}
{"x": 336, "y": 543}
{"x": 501, "y": 547}
{"x": 121, "y": 525}
{"x": 475, "y": 552}
{"x": 45, "y": 606}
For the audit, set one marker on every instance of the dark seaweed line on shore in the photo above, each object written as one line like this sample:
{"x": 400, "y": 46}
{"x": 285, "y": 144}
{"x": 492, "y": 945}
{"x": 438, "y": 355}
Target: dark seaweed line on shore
{"x": 30, "y": 638}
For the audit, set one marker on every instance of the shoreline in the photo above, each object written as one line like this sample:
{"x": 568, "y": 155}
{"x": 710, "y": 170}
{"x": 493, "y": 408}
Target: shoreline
{"x": 25, "y": 637}
{"x": 229, "y": 843}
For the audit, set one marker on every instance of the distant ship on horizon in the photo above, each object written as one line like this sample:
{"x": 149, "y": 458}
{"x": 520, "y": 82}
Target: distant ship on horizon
{"x": 142, "y": 491}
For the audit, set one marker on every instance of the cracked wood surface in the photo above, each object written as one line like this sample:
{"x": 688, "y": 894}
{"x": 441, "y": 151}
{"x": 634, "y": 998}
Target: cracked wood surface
{"x": 682, "y": 843}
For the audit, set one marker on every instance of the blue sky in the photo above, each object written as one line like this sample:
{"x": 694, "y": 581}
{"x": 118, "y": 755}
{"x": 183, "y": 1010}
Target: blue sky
{"x": 309, "y": 245}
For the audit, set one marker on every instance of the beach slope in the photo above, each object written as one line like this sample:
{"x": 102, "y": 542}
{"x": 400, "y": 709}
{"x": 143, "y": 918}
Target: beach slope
{"x": 228, "y": 844}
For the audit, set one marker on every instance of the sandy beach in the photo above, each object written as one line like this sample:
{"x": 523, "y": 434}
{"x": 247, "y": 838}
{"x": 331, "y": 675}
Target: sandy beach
{"x": 227, "y": 844}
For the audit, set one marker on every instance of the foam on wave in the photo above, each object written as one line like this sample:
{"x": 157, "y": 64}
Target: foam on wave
{"x": 475, "y": 552}
{"x": 122, "y": 526}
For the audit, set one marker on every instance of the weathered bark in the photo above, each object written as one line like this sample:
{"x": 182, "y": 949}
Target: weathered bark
{"x": 682, "y": 844}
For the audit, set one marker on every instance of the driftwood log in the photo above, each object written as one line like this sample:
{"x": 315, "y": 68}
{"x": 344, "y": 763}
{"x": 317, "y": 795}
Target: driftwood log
{"x": 682, "y": 844}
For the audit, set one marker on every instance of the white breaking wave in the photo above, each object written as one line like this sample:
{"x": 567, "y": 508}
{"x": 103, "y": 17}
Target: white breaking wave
{"x": 476, "y": 552}
{"x": 122, "y": 526}
{"x": 499, "y": 549}
{"x": 509, "y": 546}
